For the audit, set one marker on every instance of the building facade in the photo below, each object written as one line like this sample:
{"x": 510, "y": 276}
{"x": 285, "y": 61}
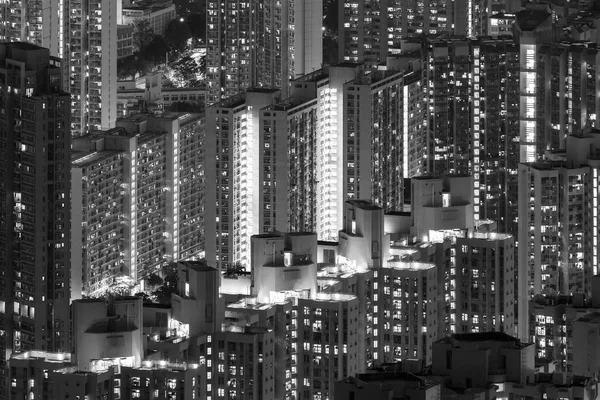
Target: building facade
{"x": 84, "y": 36}
{"x": 260, "y": 45}
{"x": 35, "y": 234}
{"x": 138, "y": 194}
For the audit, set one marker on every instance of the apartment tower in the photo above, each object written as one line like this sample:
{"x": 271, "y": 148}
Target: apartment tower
{"x": 84, "y": 35}
{"x": 35, "y": 235}
{"x": 252, "y": 44}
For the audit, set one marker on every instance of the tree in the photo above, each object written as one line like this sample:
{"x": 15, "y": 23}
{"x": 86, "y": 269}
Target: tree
{"x": 154, "y": 279}
{"x": 156, "y": 50}
{"x": 170, "y": 280}
{"x": 188, "y": 7}
{"x": 177, "y": 34}
{"x": 142, "y": 34}
{"x": 197, "y": 24}
{"x": 187, "y": 72}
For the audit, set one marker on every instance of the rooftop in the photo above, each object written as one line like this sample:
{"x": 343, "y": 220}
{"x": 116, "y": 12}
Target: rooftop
{"x": 484, "y": 336}
{"x": 364, "y": 205}
{"x": 200, "y": 266}
{"x": 250, "y": 303}
{"x": 409, "y": 266}
{"x": 82, "y": 159}
{"x": 593, "y": 317}
{"x": 334, "y": 297}
{"x": 529, "y": 20}
{"x": 165, "y": 365}
{"x": 43, "y": 355}
{"x": 392, "y": 377}
{"x": 314, "y": 76}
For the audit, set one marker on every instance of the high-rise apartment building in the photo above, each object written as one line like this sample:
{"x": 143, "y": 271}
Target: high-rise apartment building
{"x": 252, "y": 44}
{"x": 30, "y": 371}
{"x": 311, "y": 119}
{"x": 267, "y": 153}
{"x": 568, "y": 97}
{"x": 327, "y": 342}
{"x": 533, "y": 28}
{"x": 466, "y": 119}
{"x": 370, "y": 30}
{"x": 384, "y": 132}
{"x": 449, "y": 70}
{"x": 137, "y": 194}
{"x": 34, "y": 21}
{"x": 35, "y": 234}
{"x": 346, "y": 277}
{"x": 484, "y": 283}
{"x": 40, "y": 375}
{"x": 90, "y": 54}
{"x": 84, "y": 35}
{"x": 232, "y": 191}
{"x": 551, "y": 324}
{"x": 483, "y": 15}
{"x": 407, "y": 311}
{"x": 558, "y": 220}
{"x": 496, "y": 132}
{"x": 273, "y": 316}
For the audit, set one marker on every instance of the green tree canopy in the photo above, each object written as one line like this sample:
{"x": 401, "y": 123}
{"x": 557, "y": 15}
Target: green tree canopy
{"x": 142, "y": 34}
{"x": 177, "y": 34}
{"x": 170, "y": 280}
{"x": 197, "y": 24}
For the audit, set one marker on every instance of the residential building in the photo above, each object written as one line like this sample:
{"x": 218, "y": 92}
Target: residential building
{"x": 157, "y": 14}
{"x": 277, "y": 317}
{"x": 487, "y": 17}
{"x": 146, "y": 94}
{"x": 243, "y": 363}
{"x": 90, "y": 54}
{"x": 533, "y": 28}
{"x": 124, "y": 41}
{"x": 84, "y": 36}
{"x": 28, "y": 373}
{"x": 43, "y": 376}
{"x": 370, "y": 30}
{"x": 327, "y": 342}
{"x": 308, "y": 125}
{"x": 485, "y": 282}
{"x": 440, "y": 204}
{"x": 346, "y": 278}
{"x": 473, "y": 360}
{"x": 383, "y": 132}
{"x": 35, "y": 22}
{"x": 123, "y": 211}
{"x": 362, "y": 238}
{"x": 185, "y": 381}
{"x": 380, "y": 385}
{"x": 35, "y": 153}
{"x": 551, "y": 326}
{"x": 70, "y": 383}
{"x": 283, "y": 263}
{"x": 232, "y": 193}
{"x": 107, "y": 332}
{"x": 558, "y": 217}
{"x": 586, "y": 331}
{"x": 198, "y": 307}
{"x": 496, "y": 132}
{"x": 449, "y": 144}
{"x": 260, "y": 45}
